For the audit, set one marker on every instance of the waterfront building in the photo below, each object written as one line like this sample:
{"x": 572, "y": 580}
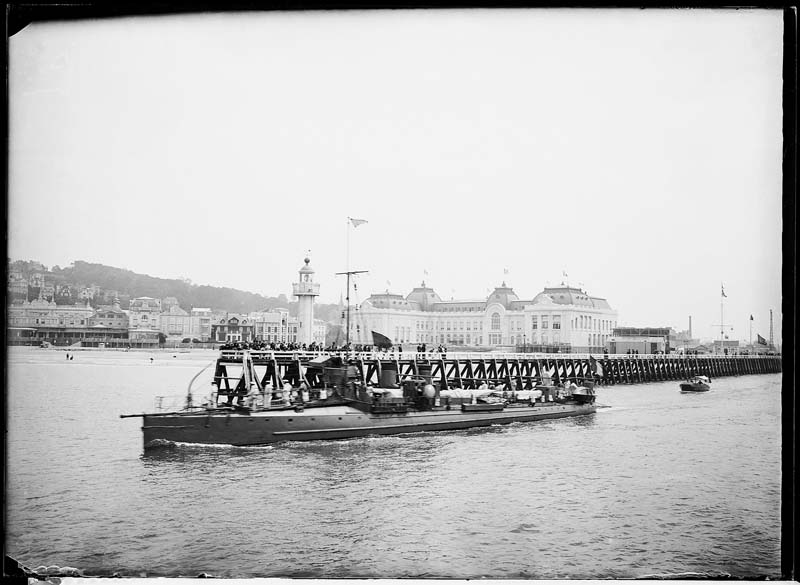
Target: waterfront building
{"x": 41, "y": 320}
{"x": 645, "y": 340}
{"x": 683, "y": 342}
{"x": 277, "y": 326}
{"x": 274, "y": 326}
{"x": 201, "y": 318}
{"x": 306, "y": 290}
{"x": 231, "y": 328}
{"x": 140, "y": 337}
{"x": 41, "y": 312}
{"x": 320, "y": 331}
{"x": 561, "y": 318}
{"x": 144, "y": 313}
{"x": 175, "y": 323}
{"x": 108, "y": 327}
{"x": 727, "y": 346}
{"x": 109, "y": 316}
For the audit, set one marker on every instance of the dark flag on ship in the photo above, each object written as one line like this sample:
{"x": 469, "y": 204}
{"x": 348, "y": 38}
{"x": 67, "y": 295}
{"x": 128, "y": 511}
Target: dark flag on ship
{"x": 761, "y": 340}
{"x": 593, "y": 364}
{"x": 381, "y": 341}
{"x": 597, "y": 369}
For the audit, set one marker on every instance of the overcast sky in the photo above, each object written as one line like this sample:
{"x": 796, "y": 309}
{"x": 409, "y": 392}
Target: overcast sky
{"x": 637, "y": 151}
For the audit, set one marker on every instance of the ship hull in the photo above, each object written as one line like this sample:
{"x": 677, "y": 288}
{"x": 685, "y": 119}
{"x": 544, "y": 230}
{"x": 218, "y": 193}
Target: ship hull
{"x": 330, "y": 423}
{"x": 691, "y": 387}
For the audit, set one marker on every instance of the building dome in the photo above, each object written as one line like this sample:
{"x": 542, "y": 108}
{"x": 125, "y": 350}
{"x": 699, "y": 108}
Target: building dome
{"x": 543, "y": 299}
{"x": 564, "y": 295}
{"x": 307, "y": 268}
{"x": 504, "y": 295}
{"x": 388, "y": 300}
{"x": 423, "y": 296}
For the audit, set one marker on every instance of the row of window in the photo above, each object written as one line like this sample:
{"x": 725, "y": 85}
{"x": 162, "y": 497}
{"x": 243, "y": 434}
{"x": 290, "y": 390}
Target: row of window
{"x": 450, "y": 325}
{"x": 580, "y": 322}
{"x": 272, "y": 328}
{"x": 43, "y": 321}
{"x": 547, "y": 322}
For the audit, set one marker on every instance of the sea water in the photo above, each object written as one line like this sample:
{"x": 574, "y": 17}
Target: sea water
{"x": 657, "y": 483}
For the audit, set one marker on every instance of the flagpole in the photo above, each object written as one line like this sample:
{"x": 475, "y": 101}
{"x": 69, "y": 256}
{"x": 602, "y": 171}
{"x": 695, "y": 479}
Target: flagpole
{"x": 721, "y": 320}
{"x": 347, "y": 269}
{"x": 751, "y": 331}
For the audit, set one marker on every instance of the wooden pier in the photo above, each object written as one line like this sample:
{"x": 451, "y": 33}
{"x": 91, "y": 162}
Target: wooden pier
{"x": 238, "y": 370}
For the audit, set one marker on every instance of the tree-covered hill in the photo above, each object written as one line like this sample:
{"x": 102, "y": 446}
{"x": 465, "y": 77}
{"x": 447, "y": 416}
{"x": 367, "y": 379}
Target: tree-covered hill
{"x": 128, "y": 284}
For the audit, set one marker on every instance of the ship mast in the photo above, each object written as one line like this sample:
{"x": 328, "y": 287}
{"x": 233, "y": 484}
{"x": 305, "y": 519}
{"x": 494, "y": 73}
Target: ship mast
{"x": 351, "y": 222}
{"x": 347, "y": 298}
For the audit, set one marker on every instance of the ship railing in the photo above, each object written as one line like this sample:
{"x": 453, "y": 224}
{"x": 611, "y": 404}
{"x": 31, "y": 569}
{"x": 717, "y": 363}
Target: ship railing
{"x": 169, "y": 403}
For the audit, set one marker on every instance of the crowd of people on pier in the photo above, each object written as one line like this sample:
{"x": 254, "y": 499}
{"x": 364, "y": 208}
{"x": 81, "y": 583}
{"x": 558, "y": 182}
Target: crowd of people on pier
{"x": 264, "y": 346}
{"x": 259, "y": 345}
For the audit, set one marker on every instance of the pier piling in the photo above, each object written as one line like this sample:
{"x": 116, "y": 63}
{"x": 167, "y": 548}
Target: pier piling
{"x": 470, "y": 370}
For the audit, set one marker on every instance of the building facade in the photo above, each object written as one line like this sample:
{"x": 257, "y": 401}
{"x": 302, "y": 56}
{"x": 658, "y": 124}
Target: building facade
{"x": 642, "y": 340}
{"x": 277, "y": 326}
{"x": 144, "y": 313}
{"x": 40, "y": 312}
{"x": 201, "y": 318}
{"x": 40, "y": 321}
{"x": 175, "y": 323}
{"x": 557, "y": 319}
{"x": 232, "y": 328}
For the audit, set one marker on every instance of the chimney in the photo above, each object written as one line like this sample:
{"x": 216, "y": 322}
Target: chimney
{"x": 690, "y": 327}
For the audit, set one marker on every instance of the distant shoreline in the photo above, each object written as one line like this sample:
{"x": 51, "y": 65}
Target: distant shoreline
{"x": 121, "y": 349}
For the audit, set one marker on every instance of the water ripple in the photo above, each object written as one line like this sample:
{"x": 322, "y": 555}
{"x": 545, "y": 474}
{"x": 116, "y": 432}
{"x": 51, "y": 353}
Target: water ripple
{"x": 656, "y": 486}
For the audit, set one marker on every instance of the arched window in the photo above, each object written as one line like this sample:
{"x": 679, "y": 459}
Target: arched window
{"x": 496, "y": 321}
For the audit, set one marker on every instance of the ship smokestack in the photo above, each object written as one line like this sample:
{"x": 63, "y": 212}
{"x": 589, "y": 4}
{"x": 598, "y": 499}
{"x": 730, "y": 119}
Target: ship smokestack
{"x": 690, "y": 327}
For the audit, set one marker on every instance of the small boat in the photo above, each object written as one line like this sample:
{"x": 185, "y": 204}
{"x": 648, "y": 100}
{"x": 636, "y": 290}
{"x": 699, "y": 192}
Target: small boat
{"x": 696, "y": 384}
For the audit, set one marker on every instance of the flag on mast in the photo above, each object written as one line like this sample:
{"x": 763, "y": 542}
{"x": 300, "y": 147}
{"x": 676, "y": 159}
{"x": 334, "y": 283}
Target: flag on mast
{"x": 357, "y": 222}
{"x": 751, "y": 317}
{"x": 761, "y": 340}
{"x": 723, "y": 291}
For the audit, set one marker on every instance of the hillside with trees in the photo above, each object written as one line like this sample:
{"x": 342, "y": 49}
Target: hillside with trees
{"x": 110, "y": 281}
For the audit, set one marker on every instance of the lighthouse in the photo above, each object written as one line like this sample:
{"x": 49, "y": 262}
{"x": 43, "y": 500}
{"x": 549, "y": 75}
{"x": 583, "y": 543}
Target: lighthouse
{"x": 305, "y": 290}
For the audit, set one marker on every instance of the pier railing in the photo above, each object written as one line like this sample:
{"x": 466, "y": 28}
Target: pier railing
{"x": 432, "y": 355}
{"x": 238, "y": 370}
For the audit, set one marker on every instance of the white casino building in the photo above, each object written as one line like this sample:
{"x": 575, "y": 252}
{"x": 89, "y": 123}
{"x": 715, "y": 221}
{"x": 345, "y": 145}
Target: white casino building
{"x": 561, "y": 318}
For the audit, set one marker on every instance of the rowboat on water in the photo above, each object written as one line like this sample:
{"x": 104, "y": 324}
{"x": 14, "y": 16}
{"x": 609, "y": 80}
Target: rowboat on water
{"x": 696, "y": 384}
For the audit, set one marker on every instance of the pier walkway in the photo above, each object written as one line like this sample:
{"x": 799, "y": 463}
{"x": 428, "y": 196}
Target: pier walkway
{"x": 237, "y": 369}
